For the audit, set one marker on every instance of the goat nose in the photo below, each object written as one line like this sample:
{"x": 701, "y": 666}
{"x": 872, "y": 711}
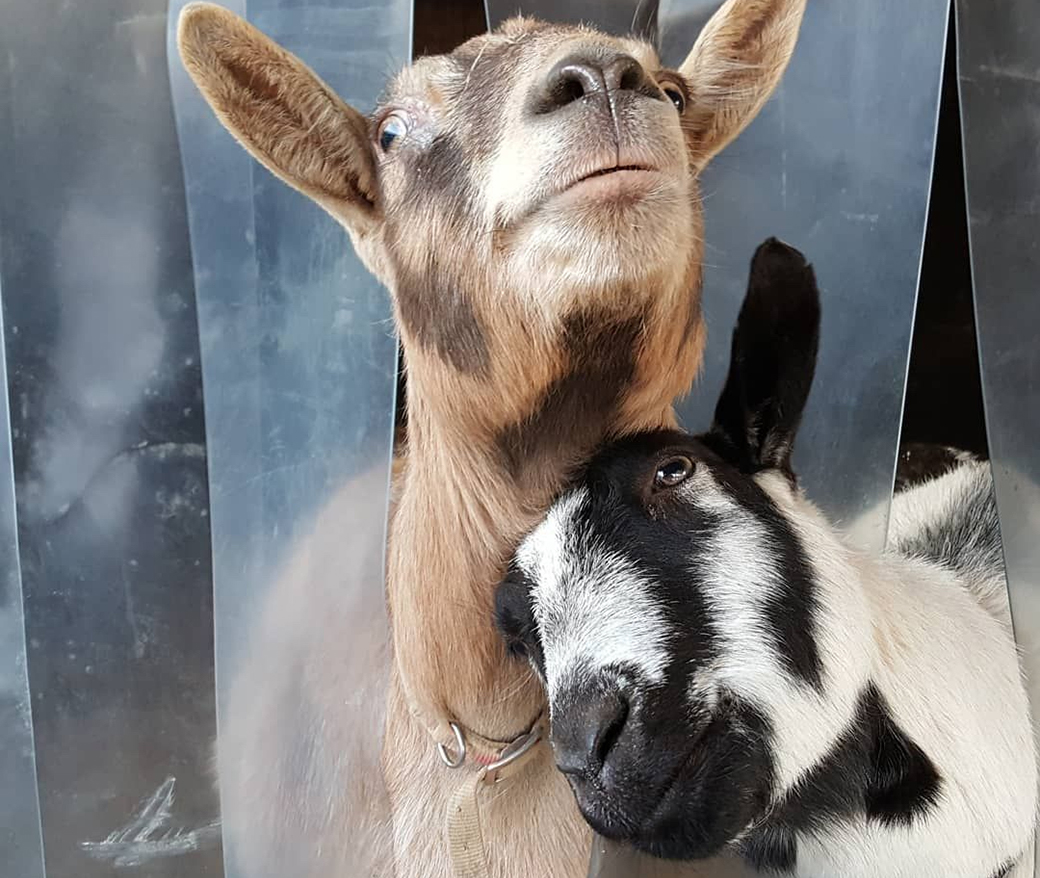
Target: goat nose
{"x": 586, "y": 729}
{"x": 578, "y": 76}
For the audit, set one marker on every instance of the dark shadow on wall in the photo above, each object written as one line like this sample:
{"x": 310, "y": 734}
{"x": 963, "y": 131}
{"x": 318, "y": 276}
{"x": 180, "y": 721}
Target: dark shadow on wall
{"x": 944, "y": 388}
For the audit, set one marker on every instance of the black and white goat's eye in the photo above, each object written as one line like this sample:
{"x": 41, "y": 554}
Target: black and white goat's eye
{"x": 675, "y": 95}
{"x": 516, "y": 648}
{"x": 392, "y": 130}
{"x": 673, "y": 472}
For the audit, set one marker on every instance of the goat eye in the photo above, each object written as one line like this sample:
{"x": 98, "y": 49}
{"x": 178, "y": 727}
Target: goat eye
{"x": 516, "y": 648}
{"x": 392, "y": 130}
{"x": 675, "y": 96}
{"x": 673, "y": 472}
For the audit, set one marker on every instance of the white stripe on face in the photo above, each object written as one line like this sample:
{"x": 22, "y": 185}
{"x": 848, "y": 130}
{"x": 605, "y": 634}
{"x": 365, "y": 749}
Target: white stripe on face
{"x": 593, "y": 607}
{"x": 736, "y": 573}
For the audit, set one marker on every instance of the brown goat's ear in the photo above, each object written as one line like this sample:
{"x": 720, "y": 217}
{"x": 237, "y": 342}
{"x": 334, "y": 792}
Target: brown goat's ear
{"x": 282, "y": 113}
{"x": 733, "y": 68}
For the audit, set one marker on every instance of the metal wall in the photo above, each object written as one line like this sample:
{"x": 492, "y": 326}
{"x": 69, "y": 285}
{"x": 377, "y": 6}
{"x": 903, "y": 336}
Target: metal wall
{"x": 999, "y": 74}
{"x": 108, "y": 446}
{"x": 149, "y": 536}
{"x": 838, "y": 163}
{"x": 299, "y": 361}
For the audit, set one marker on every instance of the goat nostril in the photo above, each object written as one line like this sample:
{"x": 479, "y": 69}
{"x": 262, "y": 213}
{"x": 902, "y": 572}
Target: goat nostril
{"x": 586, "y": 732}
{"x": 570, "y": 80}
{"x": 605, "y": 737}
{"x": 623, "y": 74}
{"x": 584, "y": 75}
{"x": 571, "y": 90}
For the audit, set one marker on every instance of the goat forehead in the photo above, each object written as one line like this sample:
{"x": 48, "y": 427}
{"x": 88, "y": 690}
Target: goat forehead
{"x": 594, "y": 608}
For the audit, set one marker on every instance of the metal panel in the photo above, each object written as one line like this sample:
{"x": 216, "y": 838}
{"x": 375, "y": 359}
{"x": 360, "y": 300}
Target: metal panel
{"x": 21, "y": 844}
{"x": 838, "y": 164}
{"x": 999, "y": 72}
{"x": 299, "y": 365}
{"x": 109, "y": 463}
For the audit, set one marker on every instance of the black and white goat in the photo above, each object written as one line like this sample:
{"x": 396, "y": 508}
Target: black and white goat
{"x": 725, "y": 671}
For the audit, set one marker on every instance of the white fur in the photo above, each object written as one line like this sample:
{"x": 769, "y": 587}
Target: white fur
{"x": 950, "y": 675}
{"x": 932, "y": 635}
{"x": 584, "y": 628}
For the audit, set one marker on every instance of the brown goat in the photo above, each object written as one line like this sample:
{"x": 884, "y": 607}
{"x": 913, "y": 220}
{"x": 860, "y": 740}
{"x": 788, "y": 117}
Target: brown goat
{"x": 531, "y": 203}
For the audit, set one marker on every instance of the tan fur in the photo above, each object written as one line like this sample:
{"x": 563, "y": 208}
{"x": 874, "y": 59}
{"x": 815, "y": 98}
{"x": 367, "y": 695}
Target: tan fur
{"x": 511, "y": 300}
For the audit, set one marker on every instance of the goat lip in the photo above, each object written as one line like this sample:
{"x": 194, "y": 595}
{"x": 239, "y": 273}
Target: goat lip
{"x": 615, "y": 174}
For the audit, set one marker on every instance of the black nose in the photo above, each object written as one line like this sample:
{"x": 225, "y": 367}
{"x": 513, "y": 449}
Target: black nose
{"x": 586, "y": 75}
{"x": 585, "y": 727}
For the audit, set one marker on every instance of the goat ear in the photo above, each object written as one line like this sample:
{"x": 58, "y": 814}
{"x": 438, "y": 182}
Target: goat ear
{"x": 513, "y": 617}
{"x": 772, "y": 361}
{"x": 733, "y": 68}
{"x": 282, "y": 113}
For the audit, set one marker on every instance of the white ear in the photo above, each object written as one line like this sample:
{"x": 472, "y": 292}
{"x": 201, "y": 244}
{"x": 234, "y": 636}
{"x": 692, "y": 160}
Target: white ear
{"x": 733, "y": 68}
{"x": 282, "y": 113}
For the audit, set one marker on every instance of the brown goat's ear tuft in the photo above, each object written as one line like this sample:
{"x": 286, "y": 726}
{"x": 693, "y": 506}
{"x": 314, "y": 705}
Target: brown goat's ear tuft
{"x": 733, "y": 68}
{"x": 282, "y": 113}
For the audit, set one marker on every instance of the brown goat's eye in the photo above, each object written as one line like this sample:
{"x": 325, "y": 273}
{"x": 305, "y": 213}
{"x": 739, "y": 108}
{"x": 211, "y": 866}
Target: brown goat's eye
{"x": 675, "y": 95}
{"x": 392, "y": 130}
{"x": 673, "y": 472}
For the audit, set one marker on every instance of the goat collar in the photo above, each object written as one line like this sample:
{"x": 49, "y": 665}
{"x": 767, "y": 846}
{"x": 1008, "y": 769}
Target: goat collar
{"x": 495, "y": 761}
{"x": 492, "y": 757}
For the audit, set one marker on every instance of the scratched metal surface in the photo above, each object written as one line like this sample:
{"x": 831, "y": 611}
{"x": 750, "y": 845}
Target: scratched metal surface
{"x": 999, "y": 72}
{"x": 299, "y": 366}
{"x": 107, "y": 439}
{"x": 21, "y": 846}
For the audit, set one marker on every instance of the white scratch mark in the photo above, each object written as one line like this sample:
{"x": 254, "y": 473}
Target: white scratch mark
{"x": 1010, "y": 73}
{"x": 149, "y": 835}
{"x": 871, "y": 218}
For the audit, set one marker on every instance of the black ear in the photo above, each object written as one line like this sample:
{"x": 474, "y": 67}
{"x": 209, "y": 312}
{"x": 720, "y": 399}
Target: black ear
{"x": 514, "y": 616}
{"x": 772, "y": 361}
{"x": 644, "y": 22}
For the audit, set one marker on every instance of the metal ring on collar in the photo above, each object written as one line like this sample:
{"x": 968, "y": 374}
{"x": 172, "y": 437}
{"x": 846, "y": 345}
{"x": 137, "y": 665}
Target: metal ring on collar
{"x": 519, "y": 748}
{"x": 456, "y": 760}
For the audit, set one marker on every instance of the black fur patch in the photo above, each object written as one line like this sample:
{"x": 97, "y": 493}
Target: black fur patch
{"x": 772, "y": 360}
{"x": 920, "y": 462}
{"x": 439, "y": 315}
{"x": 514, "y": 617}
{"x": 580, "y": 407}
{"x": 657, "y": 544}
{"x": 441, "y": 175}
{"x": 770, "y": 848}
{"x": 874, "y": 771}
{"x": 401, "y": 404}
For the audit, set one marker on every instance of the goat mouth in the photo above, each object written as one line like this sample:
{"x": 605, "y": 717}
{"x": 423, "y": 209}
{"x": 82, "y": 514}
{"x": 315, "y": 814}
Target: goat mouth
{"x": 605, "y": 172}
